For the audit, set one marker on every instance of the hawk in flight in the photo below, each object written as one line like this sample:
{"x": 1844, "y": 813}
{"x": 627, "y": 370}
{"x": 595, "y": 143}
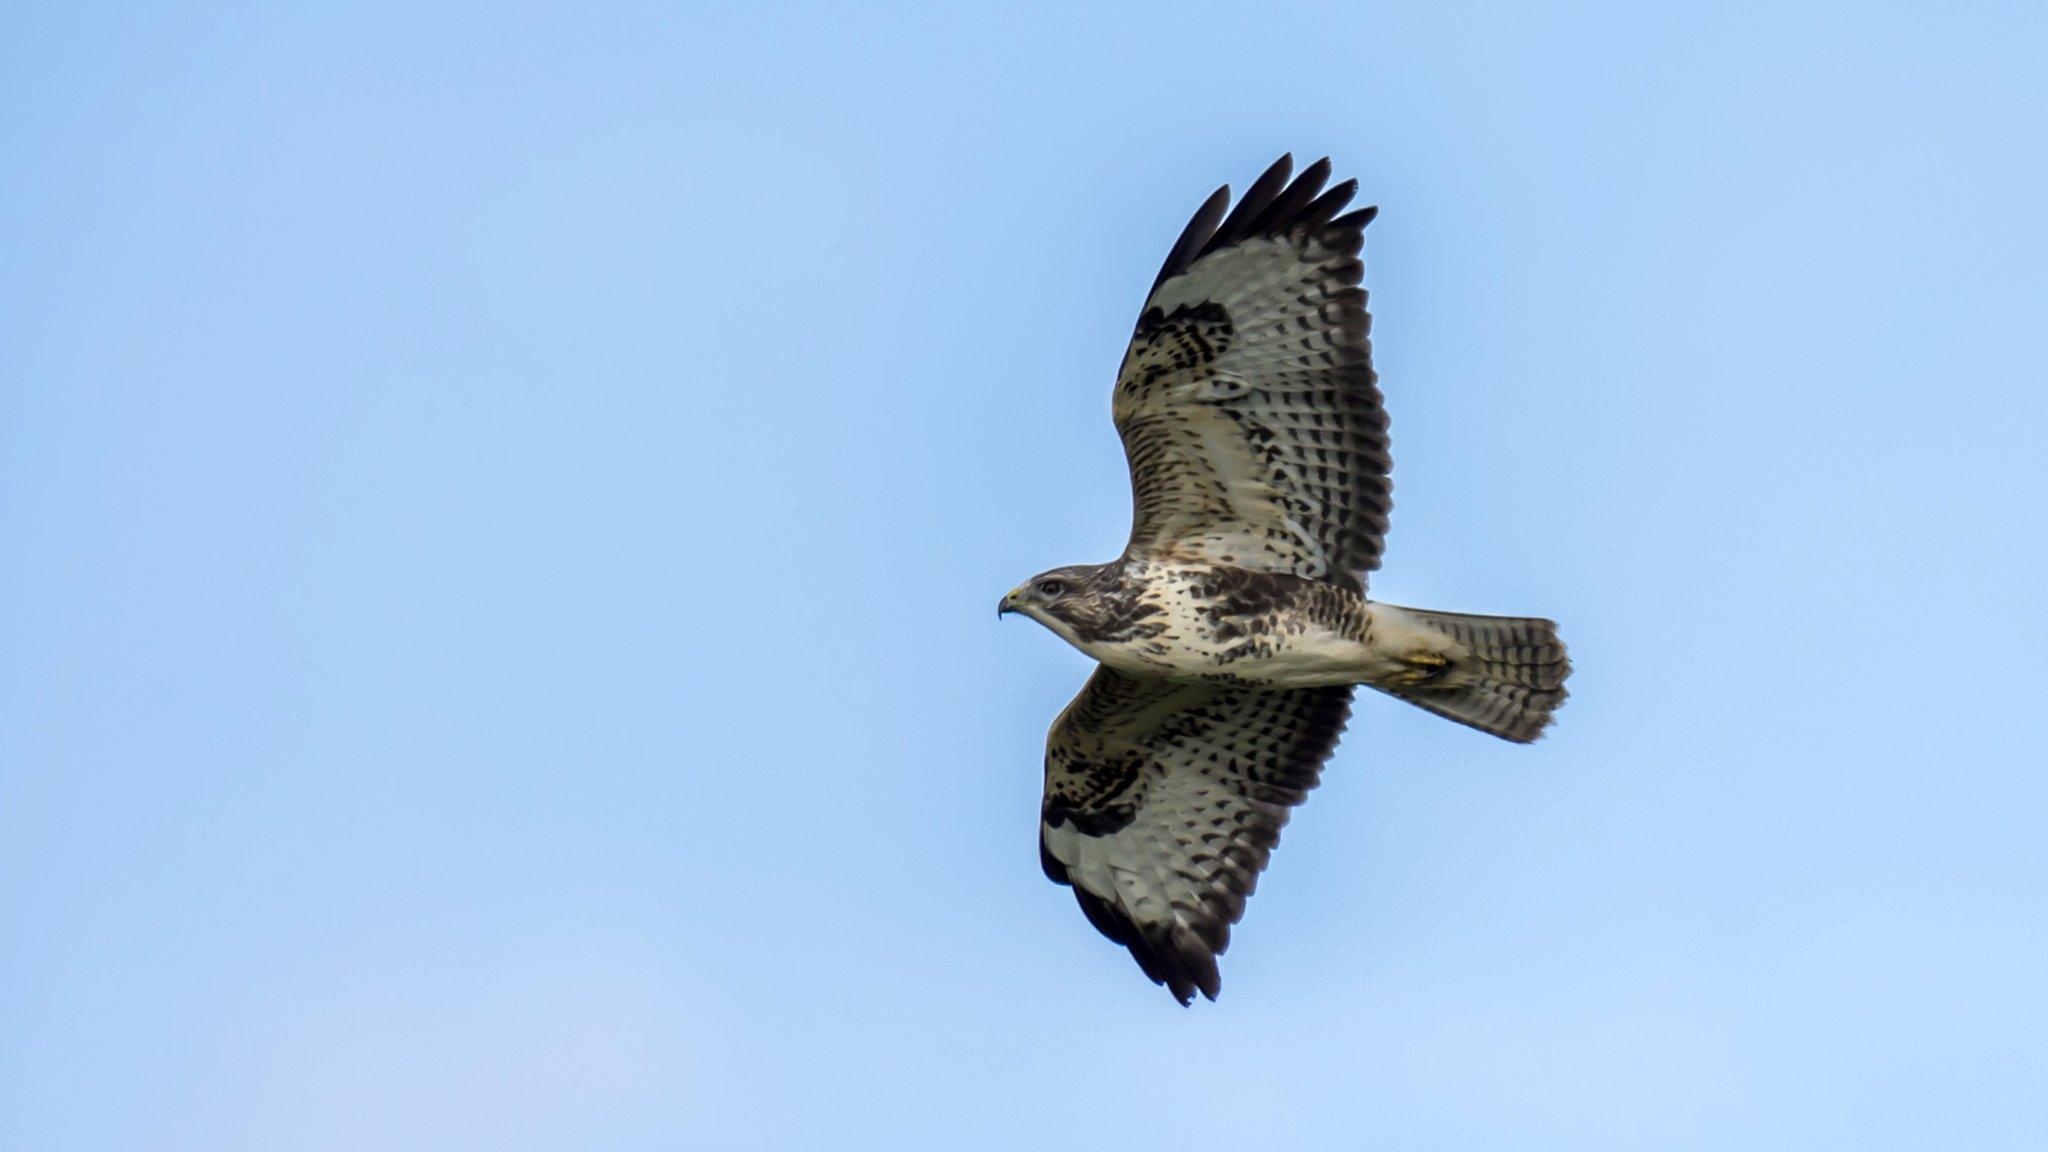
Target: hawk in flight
{"x": 1231, "y": 632}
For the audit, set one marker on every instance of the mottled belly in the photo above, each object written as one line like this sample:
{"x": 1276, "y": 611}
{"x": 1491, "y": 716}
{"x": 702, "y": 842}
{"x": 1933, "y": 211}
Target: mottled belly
{"x": 1308, "y": 659}
{"x": 1281, "y": 658}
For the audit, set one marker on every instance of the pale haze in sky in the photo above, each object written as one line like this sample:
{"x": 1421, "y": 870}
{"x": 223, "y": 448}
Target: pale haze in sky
{"x": 501, "y": 510}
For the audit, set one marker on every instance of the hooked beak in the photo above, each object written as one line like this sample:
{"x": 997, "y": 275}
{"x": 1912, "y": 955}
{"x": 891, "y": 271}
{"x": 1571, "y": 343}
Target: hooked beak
{"x": 1008, "y": 603}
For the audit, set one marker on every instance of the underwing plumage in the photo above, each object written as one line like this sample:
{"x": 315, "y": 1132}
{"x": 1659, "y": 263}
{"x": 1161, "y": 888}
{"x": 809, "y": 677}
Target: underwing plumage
{"x": 1235, "y": 626}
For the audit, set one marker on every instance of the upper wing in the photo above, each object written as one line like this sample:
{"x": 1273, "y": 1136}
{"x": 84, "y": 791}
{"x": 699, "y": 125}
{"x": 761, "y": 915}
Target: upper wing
{"x": 1247, "y": 402}
{"x": 1163, "y": 800}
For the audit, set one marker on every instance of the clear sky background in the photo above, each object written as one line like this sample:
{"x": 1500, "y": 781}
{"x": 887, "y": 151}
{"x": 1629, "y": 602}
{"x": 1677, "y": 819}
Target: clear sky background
{"x": 501, "y": 507}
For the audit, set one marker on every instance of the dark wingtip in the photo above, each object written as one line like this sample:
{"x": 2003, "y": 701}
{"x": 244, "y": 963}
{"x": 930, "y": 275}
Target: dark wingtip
{"x": 1195, "y": 236}
{"x": 1272, "y": 206}
{"x": 1286, "y": 207}
{"x": 1252, "y": 206}
{"x": 1324, "y": 208}
{"x": 1358, "y": 219}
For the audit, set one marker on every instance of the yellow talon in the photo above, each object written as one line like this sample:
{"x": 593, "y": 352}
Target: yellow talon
{"x": 1424, "y": 667}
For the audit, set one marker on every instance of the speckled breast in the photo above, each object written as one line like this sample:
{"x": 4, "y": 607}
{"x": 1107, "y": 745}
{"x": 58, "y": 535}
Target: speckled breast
{"x": 1210, "y": 622}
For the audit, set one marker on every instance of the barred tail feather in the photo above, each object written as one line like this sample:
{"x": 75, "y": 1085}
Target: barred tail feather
{"x": 1505, "y": 674}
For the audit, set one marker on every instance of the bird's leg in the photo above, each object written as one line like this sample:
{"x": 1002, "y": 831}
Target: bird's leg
{"x": 1422, "y": 667}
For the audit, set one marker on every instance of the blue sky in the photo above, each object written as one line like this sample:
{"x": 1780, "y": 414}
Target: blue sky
{"x": 500, "y": 509}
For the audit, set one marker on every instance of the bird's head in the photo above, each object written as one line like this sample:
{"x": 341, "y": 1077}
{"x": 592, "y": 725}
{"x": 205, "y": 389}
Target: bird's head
{"x": 1059, "y": 599}
{"x": 1081, "y": 602}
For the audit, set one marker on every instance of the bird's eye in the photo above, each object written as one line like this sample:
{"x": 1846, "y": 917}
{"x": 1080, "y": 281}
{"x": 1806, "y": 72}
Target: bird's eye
{"x": 1051, "y": 587}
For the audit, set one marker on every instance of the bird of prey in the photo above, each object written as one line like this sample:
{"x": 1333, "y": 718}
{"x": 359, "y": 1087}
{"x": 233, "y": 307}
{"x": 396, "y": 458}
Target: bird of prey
{"x": 1231, "y": 632}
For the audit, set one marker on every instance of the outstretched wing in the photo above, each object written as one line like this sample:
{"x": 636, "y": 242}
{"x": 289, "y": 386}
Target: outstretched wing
{"x": 1247, "y": 402}
{"x": 1163, "y": 801}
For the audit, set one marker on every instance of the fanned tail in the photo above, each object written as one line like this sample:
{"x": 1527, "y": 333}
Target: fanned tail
{"x": 1503, "y": 675}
